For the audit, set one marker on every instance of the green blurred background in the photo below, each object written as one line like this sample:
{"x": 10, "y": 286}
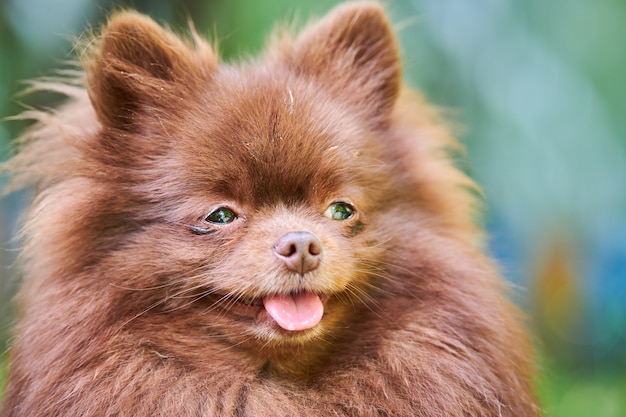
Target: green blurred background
{"x": 538, "y": 88}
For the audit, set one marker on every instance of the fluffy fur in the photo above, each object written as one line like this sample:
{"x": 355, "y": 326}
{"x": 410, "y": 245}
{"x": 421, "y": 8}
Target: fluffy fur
{"x": 135, "y": 304}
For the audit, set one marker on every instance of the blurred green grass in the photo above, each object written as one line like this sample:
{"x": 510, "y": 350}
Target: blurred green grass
{"x": 566, "y": 392}
{"x": 569, "y": 395}
{"x": 4, "y": 371}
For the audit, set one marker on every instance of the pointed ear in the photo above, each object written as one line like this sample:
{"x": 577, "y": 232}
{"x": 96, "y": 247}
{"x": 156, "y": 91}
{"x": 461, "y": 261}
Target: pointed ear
{"x": 354, "y": 52}
{"x": 135, "y": 64}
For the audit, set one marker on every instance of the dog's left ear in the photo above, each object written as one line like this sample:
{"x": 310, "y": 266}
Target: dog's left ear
{"x": 354, "y": 52}
{"x": 137, "y": 67}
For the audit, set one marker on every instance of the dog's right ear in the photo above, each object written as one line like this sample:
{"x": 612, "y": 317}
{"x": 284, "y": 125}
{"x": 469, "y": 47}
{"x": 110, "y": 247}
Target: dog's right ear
{"x": 353, "y": 52}
{"x": 136, "y": 66}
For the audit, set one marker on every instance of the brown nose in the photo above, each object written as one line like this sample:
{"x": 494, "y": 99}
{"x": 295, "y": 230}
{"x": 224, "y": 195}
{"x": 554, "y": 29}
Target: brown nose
{"x": 300, "y": 251}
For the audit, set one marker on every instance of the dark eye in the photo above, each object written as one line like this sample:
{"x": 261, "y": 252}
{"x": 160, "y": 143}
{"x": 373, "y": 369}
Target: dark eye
{"x": 222, "y": 215}
{"x": 339, "y": 211}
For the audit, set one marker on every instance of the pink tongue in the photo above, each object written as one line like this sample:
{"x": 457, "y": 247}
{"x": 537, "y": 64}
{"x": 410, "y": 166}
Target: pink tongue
{"x": 295, "y": 312}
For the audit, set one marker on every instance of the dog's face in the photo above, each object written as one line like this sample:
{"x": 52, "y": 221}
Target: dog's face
{"x": 269, "y": 206}
{"x": 263, "y": 197}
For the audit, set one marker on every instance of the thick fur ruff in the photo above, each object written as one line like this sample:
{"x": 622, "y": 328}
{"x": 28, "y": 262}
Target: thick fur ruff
{"x": 172, "y": 194}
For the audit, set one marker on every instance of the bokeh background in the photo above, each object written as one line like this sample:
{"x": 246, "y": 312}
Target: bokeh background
{"x": 538, "y": 90}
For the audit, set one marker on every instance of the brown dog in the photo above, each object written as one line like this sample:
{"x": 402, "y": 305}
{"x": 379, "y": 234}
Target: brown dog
{"x": 285, "y": 237}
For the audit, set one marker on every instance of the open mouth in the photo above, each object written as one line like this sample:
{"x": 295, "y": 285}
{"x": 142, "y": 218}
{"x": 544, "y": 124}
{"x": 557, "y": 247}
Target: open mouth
{"x": 295, "y": 312}
{"x": 292, "y": 312}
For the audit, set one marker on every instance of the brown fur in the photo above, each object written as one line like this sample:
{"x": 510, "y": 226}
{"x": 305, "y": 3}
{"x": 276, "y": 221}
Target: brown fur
{"x": 122, "y": 310}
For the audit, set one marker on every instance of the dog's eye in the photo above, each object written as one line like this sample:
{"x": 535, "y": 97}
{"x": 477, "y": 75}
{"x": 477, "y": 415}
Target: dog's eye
{"x": 222, "y": 215}
{"x": 339, "y": 211}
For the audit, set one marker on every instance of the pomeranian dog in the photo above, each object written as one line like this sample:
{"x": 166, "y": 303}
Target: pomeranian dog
{"x": 280, "y": 237}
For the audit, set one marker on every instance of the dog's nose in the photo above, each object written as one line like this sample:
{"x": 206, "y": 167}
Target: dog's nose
{"x": 299, "y": 251}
